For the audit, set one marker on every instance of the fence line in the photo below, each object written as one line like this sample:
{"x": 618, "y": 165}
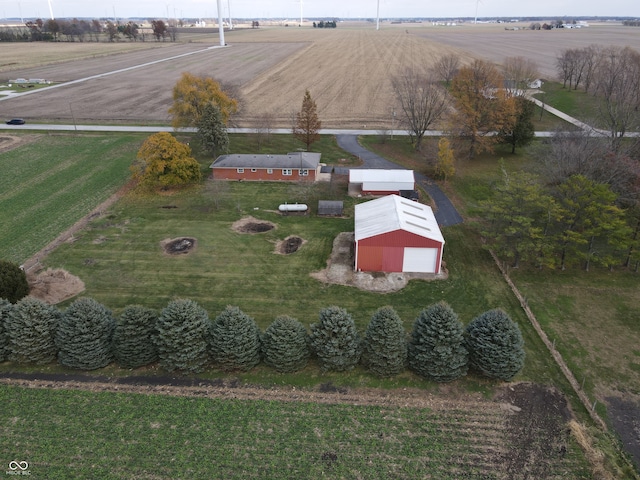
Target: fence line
{"x": 551, "y": 347}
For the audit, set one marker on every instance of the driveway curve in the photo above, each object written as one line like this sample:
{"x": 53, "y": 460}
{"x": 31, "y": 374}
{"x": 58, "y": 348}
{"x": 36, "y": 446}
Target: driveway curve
{"x": 445, "y": 213}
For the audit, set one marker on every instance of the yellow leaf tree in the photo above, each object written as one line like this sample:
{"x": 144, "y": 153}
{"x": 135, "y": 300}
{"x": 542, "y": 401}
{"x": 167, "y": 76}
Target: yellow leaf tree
{"x": 445, "y": 165}
{"x": 165, "y": 162}
{"x": 191, "y": 94}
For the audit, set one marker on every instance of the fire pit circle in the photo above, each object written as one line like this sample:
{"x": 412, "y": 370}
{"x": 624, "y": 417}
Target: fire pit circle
{"x": 178, "y": 246}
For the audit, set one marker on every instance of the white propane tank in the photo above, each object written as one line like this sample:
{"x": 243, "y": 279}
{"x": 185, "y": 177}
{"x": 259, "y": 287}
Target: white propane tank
{"x": 297, "y": 207}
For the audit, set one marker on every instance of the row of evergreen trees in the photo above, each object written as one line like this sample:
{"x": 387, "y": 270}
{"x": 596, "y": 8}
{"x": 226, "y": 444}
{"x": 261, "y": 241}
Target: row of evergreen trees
{"x": 182, "y": 338}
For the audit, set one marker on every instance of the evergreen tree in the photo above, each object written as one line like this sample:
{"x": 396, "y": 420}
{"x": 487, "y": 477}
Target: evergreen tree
{"x": 212, "y": 130}
{"x": 84, "y": 335}
{"x": 13, "y": 282}
{"x": 385, "y": 345}
{"x": 181, "y": 337}
{"x": 5, "y": 310}
{"x": 133, "y": 344}
{"x": 285, "y": 345}
{"x": 334, "y": 340}
{"x": 436, "y": 348}
{"x": 31, "y": 327}
{"x": 495, "y": 344}
{"x": 234, "y": 340}
{"x": 307, "y": 127}
{"x": 521, "y": 131}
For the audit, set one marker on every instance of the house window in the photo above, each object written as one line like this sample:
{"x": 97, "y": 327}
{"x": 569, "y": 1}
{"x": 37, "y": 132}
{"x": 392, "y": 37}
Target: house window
{"x": 303, "y": 172}
{"x": 269, "y": 171}
{"x": 240, "y": 170}
{"x": 287, "y": 171}
{"x": 254, "y": 170}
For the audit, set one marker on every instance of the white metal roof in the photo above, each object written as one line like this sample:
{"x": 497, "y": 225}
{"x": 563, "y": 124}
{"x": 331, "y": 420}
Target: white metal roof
{"x": 361, "y": 175}
{"x": 390, "y": 213}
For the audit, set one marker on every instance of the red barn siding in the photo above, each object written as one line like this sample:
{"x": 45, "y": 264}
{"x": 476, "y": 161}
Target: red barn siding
{"x": 261, "y": 175}
{"x": 385, "y": 253}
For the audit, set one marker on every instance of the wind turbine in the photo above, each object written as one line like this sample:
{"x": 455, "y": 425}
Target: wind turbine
{"x": 220, "y": 25}
{"x": 229, "y": 8}
{"x": 476, "y": 19}
{"x": 378, "y": 17}
{"x": 50, "y": 10}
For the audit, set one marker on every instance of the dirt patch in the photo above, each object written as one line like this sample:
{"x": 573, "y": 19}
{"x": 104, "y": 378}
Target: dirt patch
{"x": 625, "y": 417}
{"x": 54, "y": 285}
{"x": 536, "y": 429}
{"x": 340, "y": 270}
{"x": 252, "y": 225}
{"x": 9, "y": 142}
{"x": 289, "y": 245}
{"x": 178, "y": 246}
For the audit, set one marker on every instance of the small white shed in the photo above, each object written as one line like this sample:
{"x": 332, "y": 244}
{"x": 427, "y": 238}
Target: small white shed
{"x": 381, "y": 182}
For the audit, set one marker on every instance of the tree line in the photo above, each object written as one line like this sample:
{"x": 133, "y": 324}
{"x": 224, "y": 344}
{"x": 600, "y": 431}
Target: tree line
{"x": 476, "y": 103}
{"x": 80, "y": 30}
{"x": 612, "y": 75}
{"x": 577, "y": 221}
{"x": 182, "y": 338}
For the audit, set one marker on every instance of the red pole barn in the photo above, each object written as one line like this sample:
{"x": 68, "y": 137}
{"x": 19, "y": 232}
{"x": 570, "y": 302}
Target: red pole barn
{"x": 394, "y": 234}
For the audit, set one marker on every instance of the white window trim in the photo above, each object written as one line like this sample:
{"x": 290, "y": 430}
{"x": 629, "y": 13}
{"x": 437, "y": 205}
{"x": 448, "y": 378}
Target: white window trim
{"x": 269, "y": 171}
{"x": 287, "y": 172}
{"x": 239, "y": 170}
{"x": 303, "y": 172}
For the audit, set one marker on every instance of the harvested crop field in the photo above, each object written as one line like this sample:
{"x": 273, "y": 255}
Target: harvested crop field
{"x": 247, "y": 432}
{"x": 347, "y": 70}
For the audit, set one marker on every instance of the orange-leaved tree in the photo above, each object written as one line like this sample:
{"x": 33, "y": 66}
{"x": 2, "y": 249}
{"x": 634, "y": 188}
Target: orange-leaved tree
{"x": 192, "y": 94}
{"x": 165, "y": 162}
{"x": 482, "y": 106}
{"x": 307, "y": 126}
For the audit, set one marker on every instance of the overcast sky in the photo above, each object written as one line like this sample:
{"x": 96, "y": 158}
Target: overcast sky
{"x": 317, "y": 8}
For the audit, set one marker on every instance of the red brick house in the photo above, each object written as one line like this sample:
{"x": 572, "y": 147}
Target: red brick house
{"x": 292, "y": 167}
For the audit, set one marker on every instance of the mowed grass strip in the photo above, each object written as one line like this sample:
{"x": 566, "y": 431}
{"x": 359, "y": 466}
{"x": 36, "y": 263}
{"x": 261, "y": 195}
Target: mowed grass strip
{"x": 50, "y": 184}
{"x": 123, "y": 435}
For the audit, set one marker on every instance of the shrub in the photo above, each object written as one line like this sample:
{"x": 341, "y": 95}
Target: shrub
{"x": 31, "y": 328}
{"x": 335, "y": 341}
{"x": 285, "y": 345}
{"x": 13, "y": 282}
{"x": 5, "y": 309}
{"x": 385, "y": 344}
{"x": 234, "y": 340}
{"x": 84, "y": 335}
{"x": 495, "y": 344}
{"x": 181, "y": 337}
{"x": 133, "y": 337}
{"x": 436, "y": 348}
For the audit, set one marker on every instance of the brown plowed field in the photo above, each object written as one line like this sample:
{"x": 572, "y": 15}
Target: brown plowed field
{"x": 347, "y": 70}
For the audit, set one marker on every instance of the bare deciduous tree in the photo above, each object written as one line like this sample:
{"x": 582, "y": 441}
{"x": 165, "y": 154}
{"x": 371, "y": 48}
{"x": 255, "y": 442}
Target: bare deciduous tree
{"x": 422, "y": 101}
{"x": 519, "y": 72}
{"x": 446, "y": 67}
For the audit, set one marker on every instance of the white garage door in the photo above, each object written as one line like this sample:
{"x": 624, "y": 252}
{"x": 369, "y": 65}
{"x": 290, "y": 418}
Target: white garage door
{"x": 422, "y": 260}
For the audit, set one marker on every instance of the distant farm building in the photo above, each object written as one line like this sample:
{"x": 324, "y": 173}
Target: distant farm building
{"x": 381, "y": 182}
{"x": 393, "y": 234}
{"x": 292, "y": 167}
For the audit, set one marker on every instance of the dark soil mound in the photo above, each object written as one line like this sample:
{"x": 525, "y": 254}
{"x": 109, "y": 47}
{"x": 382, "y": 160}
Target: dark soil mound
{"x": 537, "y": 430}
{"x": 252, "y": 227}
{"x": 290, "y": 245}
{"x": 179, "y": 246}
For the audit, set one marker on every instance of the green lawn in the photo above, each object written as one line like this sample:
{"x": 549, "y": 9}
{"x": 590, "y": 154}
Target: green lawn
{"x": 49, "y": 184}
